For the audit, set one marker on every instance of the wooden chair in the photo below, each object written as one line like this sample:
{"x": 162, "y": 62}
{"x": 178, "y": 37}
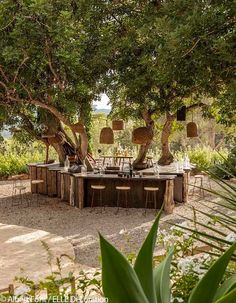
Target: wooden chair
{"x": 149, "y": 191}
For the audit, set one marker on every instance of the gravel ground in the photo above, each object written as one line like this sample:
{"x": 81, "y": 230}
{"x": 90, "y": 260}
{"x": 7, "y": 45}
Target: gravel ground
{"x": 81, "y": 227}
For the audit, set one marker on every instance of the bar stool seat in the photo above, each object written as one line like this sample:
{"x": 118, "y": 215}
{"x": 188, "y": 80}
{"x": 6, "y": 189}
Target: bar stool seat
{"x": 199, "y": 176}
{"x": 37, "y": 181}
{"x": 149, "y": 190}
{"x": 123, "y": 187}
{"x": 98, "y": 188}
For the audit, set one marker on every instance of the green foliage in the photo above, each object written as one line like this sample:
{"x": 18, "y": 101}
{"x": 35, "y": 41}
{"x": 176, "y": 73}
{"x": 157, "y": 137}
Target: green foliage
{"x": 14, "y": 157}
{"x": 227, "y": 169}
{"x": 122, "y": 284}
{"x": 204, "y": 157}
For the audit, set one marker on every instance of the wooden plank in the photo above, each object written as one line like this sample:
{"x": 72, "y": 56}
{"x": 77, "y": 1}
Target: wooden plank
{"x": 81, "y": 192}
{"x": 58, "y": 184}
{"x": 169, "y": 197}
{"x": 51, "y": 183}
{"x": 72, "y": 190}
{"x": 186, "y": 186}
{"x": 62, "y": 186}
{"x": 33, "y": 176}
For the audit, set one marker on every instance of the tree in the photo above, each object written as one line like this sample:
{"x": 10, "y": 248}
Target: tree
{"x": 162, "y": 55}
{"x": 47, "y": 75}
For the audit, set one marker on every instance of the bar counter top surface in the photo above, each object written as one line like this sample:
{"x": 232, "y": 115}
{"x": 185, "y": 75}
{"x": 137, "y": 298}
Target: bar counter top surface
{"x": 115, "y": 176}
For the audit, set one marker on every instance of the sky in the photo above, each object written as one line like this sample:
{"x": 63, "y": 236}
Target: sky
{"x": 103, "y": 104}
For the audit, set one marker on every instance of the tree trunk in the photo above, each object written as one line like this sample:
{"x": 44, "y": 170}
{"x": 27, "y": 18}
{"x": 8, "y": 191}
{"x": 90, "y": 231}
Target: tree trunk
{"x": 166, "y": 156}
{"x": 139, "y": 162}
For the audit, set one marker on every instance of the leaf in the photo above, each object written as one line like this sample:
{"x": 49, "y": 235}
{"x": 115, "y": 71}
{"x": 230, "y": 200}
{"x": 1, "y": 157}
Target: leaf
{"x": 225, "y": 287}
{"x": 162, "y": 279}
{"x": 119, "y": 280}
{"x": 229, "y": 298}
{"x": 144, "y": 262}
{"x": 206, "y": 288}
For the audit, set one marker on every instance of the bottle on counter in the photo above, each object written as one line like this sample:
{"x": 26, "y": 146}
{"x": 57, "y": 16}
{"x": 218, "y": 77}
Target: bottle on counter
{"x": 84, "y": 169}
{"x": 67, "y": 163}
{"x": 131, "y": 170}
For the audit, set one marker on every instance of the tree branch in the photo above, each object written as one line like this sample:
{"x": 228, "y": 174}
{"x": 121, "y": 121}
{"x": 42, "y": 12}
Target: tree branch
{"x": 19, "y": 67}
{"x": 191, "y": 49}
{"x": 3, "y": 74}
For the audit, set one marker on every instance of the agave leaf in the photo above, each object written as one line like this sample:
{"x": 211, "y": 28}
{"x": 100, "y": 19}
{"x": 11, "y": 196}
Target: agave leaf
{"x": 119, "y": 280}
{"x": 144, "y": 262}
{"x": 162, "y": 279}
{"x": 229, "y": 298}
{"x": 206, "y": 288}
{"x": 225, "y": 287}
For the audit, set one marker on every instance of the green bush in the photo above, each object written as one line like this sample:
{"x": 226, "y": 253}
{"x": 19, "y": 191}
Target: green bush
{"x": 14, "y": 157}
{"x": 204, "y": 157}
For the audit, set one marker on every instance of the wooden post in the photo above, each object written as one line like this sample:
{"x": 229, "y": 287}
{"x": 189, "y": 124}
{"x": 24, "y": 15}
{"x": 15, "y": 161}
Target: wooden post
{"x": 81, "y": 192}
{"x": 72, "y": 190}
{"x": 33, "y": 176}
{"x": 169, "y": 197}
{"x": 47, "y": 153}
{"x": 186, "y": 177}
{"x": 62, "y": 187}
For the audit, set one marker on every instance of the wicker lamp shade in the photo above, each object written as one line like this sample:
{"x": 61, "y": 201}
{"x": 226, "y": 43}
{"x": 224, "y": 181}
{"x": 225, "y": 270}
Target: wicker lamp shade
{"x": 141, "y": 135}
{"x": 181, "y": 114}
{"x": 106, "y": 136}
{"x": 192, "y": 130}
{"x": 78, "y": 127}
{"x": 117, "y": 124}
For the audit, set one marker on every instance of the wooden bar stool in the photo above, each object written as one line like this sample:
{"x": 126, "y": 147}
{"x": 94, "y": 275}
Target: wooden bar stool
{"x": 18, "y": 188}
{"x": 149, "y": 191}
{"x": 98, "y": 188}
{"x": 37, "y": 183}
{"x": 198, "y": 181}
{"x": 122, "y": 190}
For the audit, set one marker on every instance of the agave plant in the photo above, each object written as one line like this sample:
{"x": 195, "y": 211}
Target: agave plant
{"x": 221, "y": 214}
{"x": 143, "y": 283}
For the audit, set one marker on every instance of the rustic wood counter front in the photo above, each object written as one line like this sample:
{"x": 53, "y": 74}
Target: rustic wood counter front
{"x": 81, "y": 190}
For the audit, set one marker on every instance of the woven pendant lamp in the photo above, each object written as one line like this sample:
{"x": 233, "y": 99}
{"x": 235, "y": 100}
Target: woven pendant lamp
{"x": 181, "y": 114}
{"x": 106, "y": 136}
{"x": 192, "y": 130}
{"x": 117, "y": 124}
{"x": 141, "y": 135}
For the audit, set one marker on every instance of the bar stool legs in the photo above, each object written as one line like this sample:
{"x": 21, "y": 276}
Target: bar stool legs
{"x": 122, "y": 190}
{"x": 149, "y": 191}
{"x": 98, "y": 188}
{"x": 199, "y": 178}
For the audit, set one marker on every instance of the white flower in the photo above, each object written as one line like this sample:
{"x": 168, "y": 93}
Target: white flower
{"x": 122, "y": 231}
{"x": 21, "y": 290}
{"x": 231, "y": 237}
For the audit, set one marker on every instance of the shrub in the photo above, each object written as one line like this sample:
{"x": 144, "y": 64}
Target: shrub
{"x": 14, "y": 157}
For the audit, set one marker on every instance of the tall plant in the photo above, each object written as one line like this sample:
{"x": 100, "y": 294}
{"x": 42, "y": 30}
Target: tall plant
{"x": 142, "y": 283}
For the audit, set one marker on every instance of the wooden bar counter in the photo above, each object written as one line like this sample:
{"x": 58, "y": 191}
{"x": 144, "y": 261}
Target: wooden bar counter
{"x": 81, "y": 190}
